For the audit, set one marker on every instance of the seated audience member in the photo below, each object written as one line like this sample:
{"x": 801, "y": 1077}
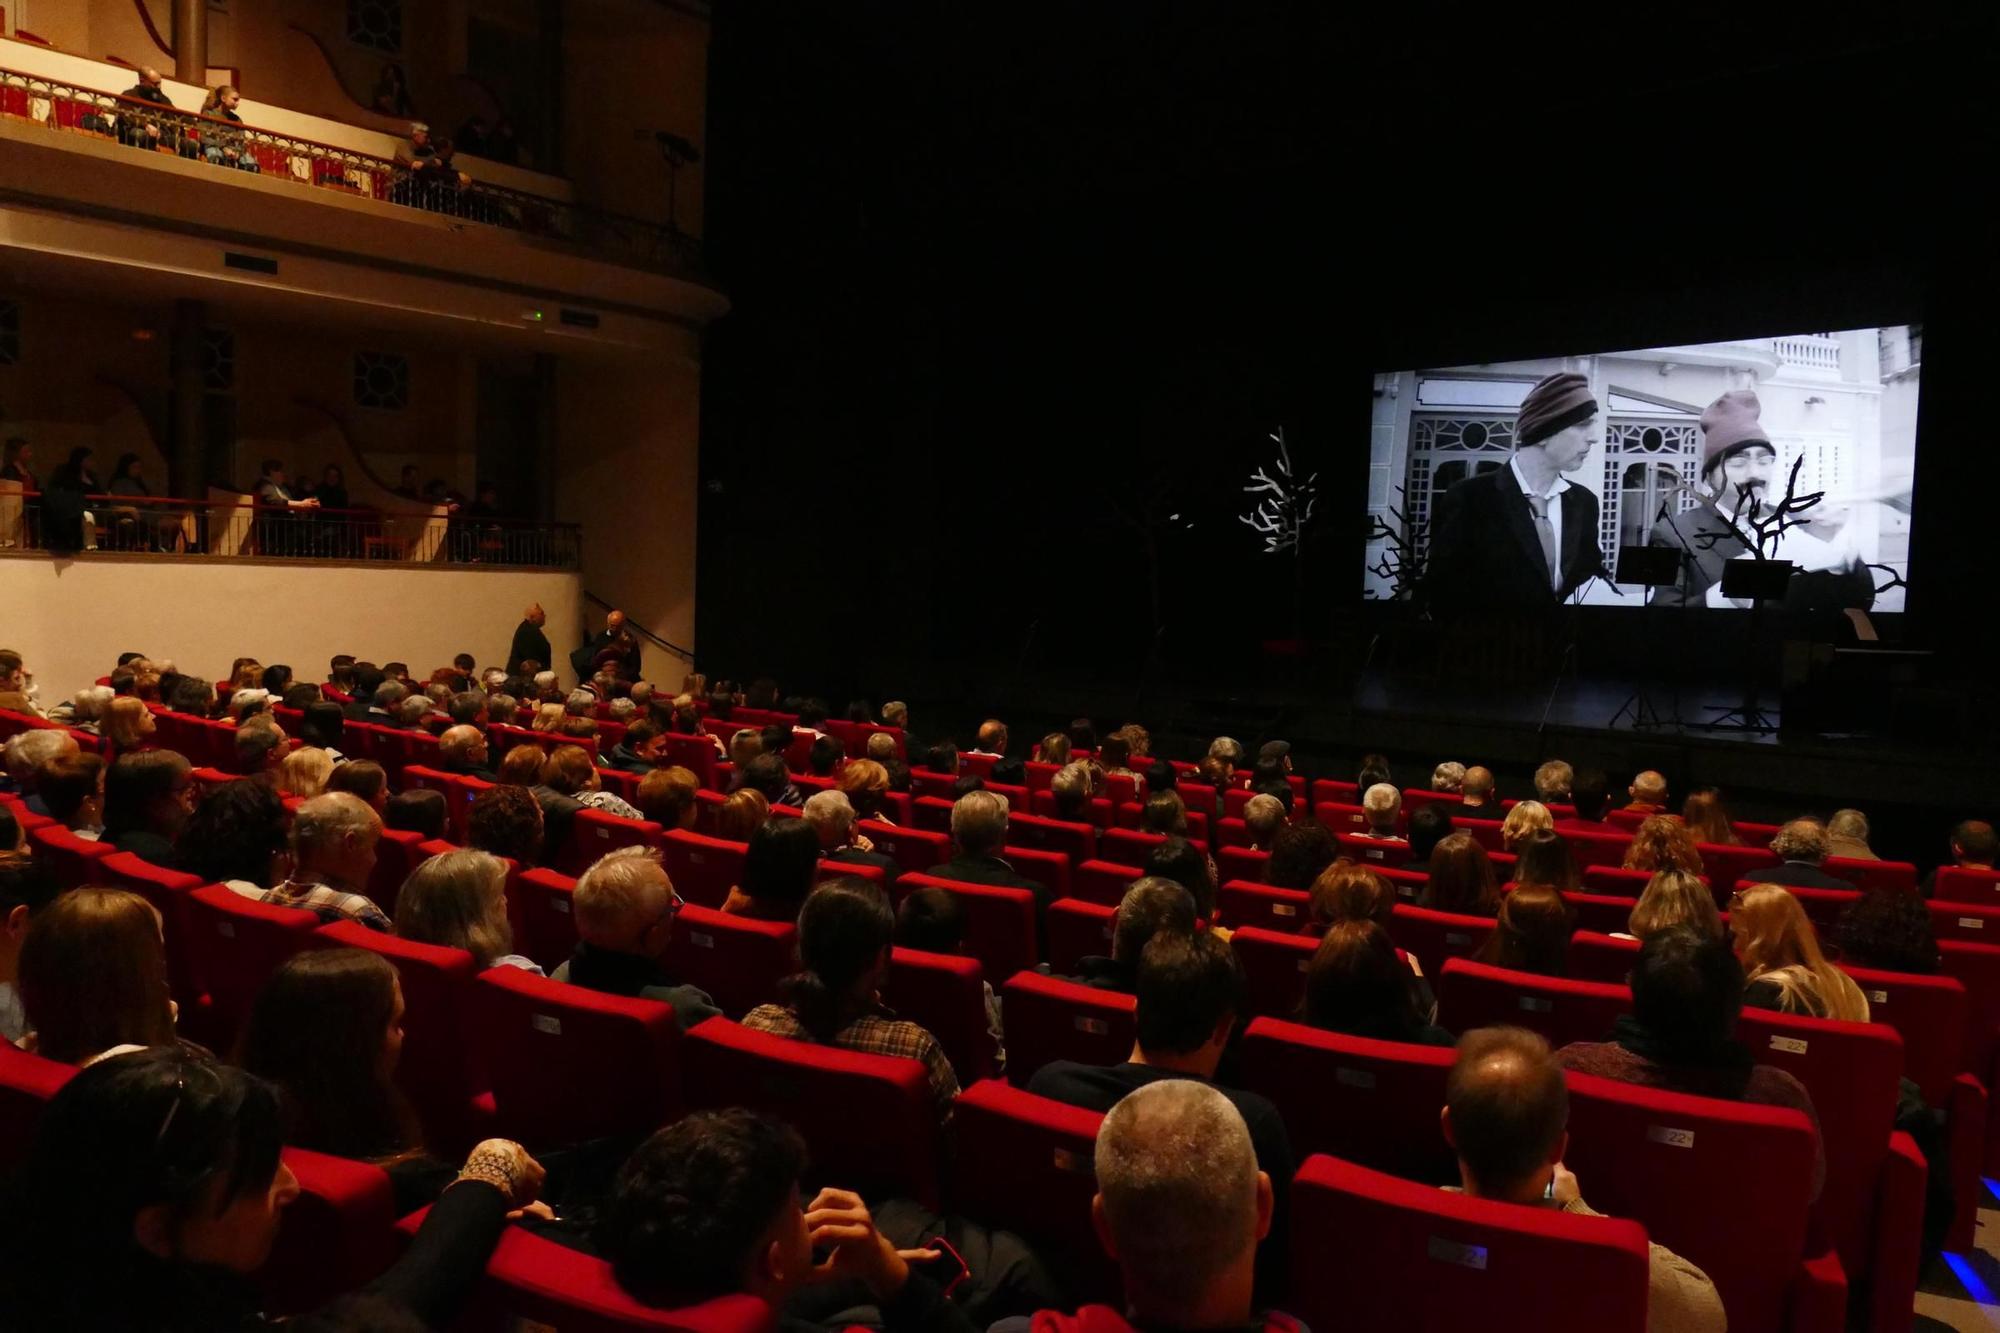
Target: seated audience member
{"x": 153, "y": 1192}
{"x": 260, "y": 747}
{"x": 388, "y": 697}
{"x": 637, "y": 750}
{"x": 93, "y": 977}
{"x": 710, "y": 1206}
{"x": 1114, "y": 756}
{"x": 932, "y": 920}
{"x": 1590, "y": 796}
{"x": 322, "y": 729}
{"x": 1009, "y": 770}
{"x": 419, "y": 810}
{"x": 84, "y": 712}
{"x": 305, "y": 772}
{"x": 462, "y": 750}
{"x": 1531, "y": 933}
{"x": 1649, "y": 794}
{"x": 147, "y": 799}
{"x": 1161, "y": 775}
{"x": 459, "y": 901}
{"x": 1053, "y": 748}
{"x": 237, "y": 837}
{"x": 740, "y": 816}
{"x": 1082, "y": 735}
{"x": 941, "y": 758}
{"x": 1525, "y": 818}
{"x": 775, "y": 738}
{"x": 26, "y": 887}
{"x": 1448, "y": 776}
{"x": 326, "y": 1032}
{"x": 1191, "y": 994}
{"x": 744, "y": 745}
{"x": 1974, "y": 846}
{"x": 1461, "y": 879}
{"x": 467, "y": 709}
{"x": 1674, "y": 900}
{"x": 1544, "y": 857}
{"x": 26, "y": 755}
{"x": 1164, "y": 812}
{"x": 72, "y": 790}
{"x": 129, "y": 727}
{"x": 1348, "y": 891}
{"x": 865, "y": 783}
{"x": 1782, "y": 961}
{"x": 667, "y": 797}
{"x": 766, "y": 773}
{"x": 506, "y": 821}
{"x": 194, "y": 698}
{"x": 832, "y": 819}
{"x": 1663, "y": 843}
{"x": 1357, "y": 984}
{"x": 846, "y": 929}
{"x": 1430, "y": 824}
{"x": 1888, "y": 930}
{"x": 412, "y": 712}
{"x": 1263, "y": 817}
{"x": 1707, "y": 819}
{"x": 521, "y": 766}
{"x": 1152, "y": 906}
{"x": 881, "y": 747}
{"x": 1847, "y": 836}
{"x": 992, "y": 738}
{"x": 625, "y": 908}
{"x": 301, "y": 697}
{"x": 502, "y": 709}
{"x": 778, "y": 871}
{"x": 1687, "y": 990}
{"x": 1478, "y": 793}
{"x": 363, "y": 779}
{"x": 1802, "y": 844}
{"x": 1506, "y": 1115}
{"x": 966, "y": 782}
{"x": 570, "y": 773}
{"x": 1384, "y": 805}
{"x": 549, "y": 717}
{"x": 1181, "y": 861}
{"x": 1298, "y": 854}
{"x": 333, "y": 852}
{"x": 1230, "y": 754}
{"x": 979, "y": 834}
{"x": 1073, "y": 787}
{"x": 1553, "y": 781}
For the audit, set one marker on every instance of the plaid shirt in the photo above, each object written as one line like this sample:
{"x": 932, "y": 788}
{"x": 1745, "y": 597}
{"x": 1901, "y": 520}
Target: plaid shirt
{"x": 879, "y": 1033}
{"x": 329, "y": 904}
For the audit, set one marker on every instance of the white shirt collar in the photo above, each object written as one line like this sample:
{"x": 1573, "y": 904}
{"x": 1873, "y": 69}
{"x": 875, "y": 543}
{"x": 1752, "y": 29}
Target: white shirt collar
{"x": 1561, "y": 483}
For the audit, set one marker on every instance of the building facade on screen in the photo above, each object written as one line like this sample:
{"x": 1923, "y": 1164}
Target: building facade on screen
{"x": 1844, "y": 402}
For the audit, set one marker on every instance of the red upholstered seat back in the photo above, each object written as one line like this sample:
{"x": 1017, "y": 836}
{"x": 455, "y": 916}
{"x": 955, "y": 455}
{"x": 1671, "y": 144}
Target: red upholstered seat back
{"x": 1600, "y": 957}
{"x": 1077, "y": 929}
{"x": 737, "y": 960}
{"x": 1473, "y": 995}
{"x": 1435, "y": 936}
{"x": 1274, "y": 968}
{"x": 234, "y": 944}
{"x": 1931, "y": 1015}
{"x": 945, "y": 994}
{"x": 592, "y": 833}
{"x": 339, "y": 1234}
{"x": 702, "y": 868}
{"x": 1049, "y": 1018}
{"x": 999, "y": 922}
{"x": 1372, "y": 1102}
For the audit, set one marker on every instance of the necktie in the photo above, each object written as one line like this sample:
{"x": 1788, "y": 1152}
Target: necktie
{"x": 1546, "y": 532}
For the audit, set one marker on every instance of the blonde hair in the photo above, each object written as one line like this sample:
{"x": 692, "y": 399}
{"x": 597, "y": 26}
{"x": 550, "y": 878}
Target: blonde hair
{"x": 124, "y": 721}
{"x": 305, "y": 772}
{"x": 458, "y": 900}
{"x": 741, "y": 814}
{"x": 548, "y": 717}
{"x": 1675, "y": 898}
{"x": 1776, "y": 940}
{"x": 1663, "y": 843}
{"x": 1525, "y": 818}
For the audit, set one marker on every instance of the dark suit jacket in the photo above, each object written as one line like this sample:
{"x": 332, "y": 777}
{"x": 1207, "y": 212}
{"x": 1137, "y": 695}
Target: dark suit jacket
{"x": 1484, "y": 554}
{"x": 529, "y": 642}
{"x": 1799, "y": 875}
{"x": 558, "y": 813}
{"x": 468, "y": 771}
{"x": 991, "y": 870}
{"x": 854, "y": 856}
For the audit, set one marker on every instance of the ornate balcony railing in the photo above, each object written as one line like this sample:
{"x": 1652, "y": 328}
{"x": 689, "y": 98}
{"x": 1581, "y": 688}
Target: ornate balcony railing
{"x": 1818, "y": 353}
{"x": 233, "y": 525}
{"x": 232, "y": 146}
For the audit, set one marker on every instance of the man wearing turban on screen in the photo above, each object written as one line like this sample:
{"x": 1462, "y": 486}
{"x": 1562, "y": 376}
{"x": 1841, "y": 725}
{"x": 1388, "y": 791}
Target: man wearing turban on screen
{"x": 1739, "y": 483}
{"x": 1521, "y": 537}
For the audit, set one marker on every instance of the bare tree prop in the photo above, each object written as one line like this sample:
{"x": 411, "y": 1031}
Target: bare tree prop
{"x": 1401, "y": 564}
{"x": 1283, "y": 515}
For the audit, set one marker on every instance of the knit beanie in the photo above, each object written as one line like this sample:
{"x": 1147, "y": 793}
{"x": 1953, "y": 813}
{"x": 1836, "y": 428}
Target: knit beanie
{"x": 1560, "y": 401}
{"x": 1730, "y": 423}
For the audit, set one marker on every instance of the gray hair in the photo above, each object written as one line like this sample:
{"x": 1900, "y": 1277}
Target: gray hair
{"x": 618, "y": 891}
{"x": 1229, "y": 750}
{"x": 881, "y": 746}
{"x": 1075, "y": 779}
{"x": 979, "y": 822}
{"x": 1553, "y": 781}
{"x": 832, "y": 810}
{"x": 324, "y": 821}
{"x": 1448, "y": 776}
{"x": 581, "y": 703}
{"x": 493, "y": 678}
{"x": 641, "y": 693}
{"x": 413, "y": 710}
{"x": 1848, "y": 824}
{"x": 92, "y": 700}
{"x": 621, "y": 710}
{"x": 1801, "y": 840}
{"x": 1263, "y": 814}
{"x": 390, "y": 693}
{"x": 895, "y": 713}
{"x": 1383, "y": 803}
{"x": 31, "y": 749}
{"x": 545, "y": 680}
{"x": 1177, "y": 1178}
{"x": 255, "y": 742}
{"x": 502, "y": 708}
{"x": 248, "y": 702}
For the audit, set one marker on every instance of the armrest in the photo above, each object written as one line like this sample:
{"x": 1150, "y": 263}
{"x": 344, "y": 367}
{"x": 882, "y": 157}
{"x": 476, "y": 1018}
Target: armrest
{"x": 1895, "y": 1247}
{"x": 1965, "y": 1130}
{"x": 1819, "y": 1295}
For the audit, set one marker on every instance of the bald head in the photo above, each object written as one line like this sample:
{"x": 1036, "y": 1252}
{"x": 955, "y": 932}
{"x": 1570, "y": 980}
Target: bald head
{"x": 1180, "y": 1202}
{"x": 1506, "y": 1111}
{"x": 534, "y": 615}
{"x": 1650, "y": 788}
{"x": 149, "y": 76}
{"x": 1478, "y": 784}
{"x": 464, "y": 745}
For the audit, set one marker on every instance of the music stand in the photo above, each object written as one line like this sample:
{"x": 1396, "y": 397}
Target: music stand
{"x": 1647, "y": 567}
{"x": 1759, "y": 581}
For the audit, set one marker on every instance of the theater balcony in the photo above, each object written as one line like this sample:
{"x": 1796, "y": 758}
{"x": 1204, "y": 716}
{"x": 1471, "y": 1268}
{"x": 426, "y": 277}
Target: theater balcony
{"x": 319, "y": 208}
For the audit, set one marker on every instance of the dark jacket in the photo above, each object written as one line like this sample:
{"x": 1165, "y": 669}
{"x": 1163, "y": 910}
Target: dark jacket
{"x": 640, "y": 978}
{"x": 627, "y": 760}
{"x": 991, "y": 870}
{"x": 854, "y": 856}
{"x": 1485, "y": 556}
{"x": 147, "y": 846}
{"x": 529, "y": 642}
{"x": 558, "y": 813}
{"x": 1800, "y": 875}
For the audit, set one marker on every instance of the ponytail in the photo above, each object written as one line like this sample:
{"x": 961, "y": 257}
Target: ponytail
{"x": 843, "y": 928}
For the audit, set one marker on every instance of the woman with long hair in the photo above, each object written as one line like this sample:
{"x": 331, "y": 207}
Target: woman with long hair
{"x": 1674, "y": 898}
{"x": 93, "y": 977}
{"x": 1462, "y": 878}
{"x": 1782, "y": 962}
{"x": 1663, "y": 843}
{"x": 1707, "y": 819}
{"x": 1525, "y": 818}
{"x": 742, "y": 814}
{"x": 1544, "y": 857}
{"x": 459, "y": 901}
{"x": 1532, "y": 932}
{"x": 777, "y": 871}
{"x": 1355, "y": 985}
{"x": 845, "y": 932}
{"x": 129, "y": 727}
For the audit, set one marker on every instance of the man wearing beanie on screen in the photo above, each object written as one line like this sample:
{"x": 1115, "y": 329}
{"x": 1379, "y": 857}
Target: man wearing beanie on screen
{"x": 1739, "y": 483}
{"x": 1520, "y": 537}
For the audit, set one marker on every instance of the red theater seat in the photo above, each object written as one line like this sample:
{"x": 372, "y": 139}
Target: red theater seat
{"x": 1616, "y": 882}
{"x": 1103, "y": 812}
{"x": 1598, "y": 912}
{"x": 397, "y": 853}
{"x": 1330, "y": 789}
{"x": 1371, "y": 1102}
{"x": 543, "y": 905}
{"x": 1899, "y": 875}
{"x": 999, "y": 922}
{"x": 569, "y": 1064}
{"x": 1436, "y": 936}
{"x": 234, "y": 944}
{"x": 336, "y": 1236}
{"x": 1076, "y": 841}
{"x": 1052, "y": 1019}
{"x": 1968, "y": 886}
{"x": 914, "y": 849}
{"x": 1473, "y": 995}
{"x": 931, "y": 814}
{"x": 167, "y": 890}
{"x": 1131, "y": 847}
{"x": 1599, "y": 957}
{"x": 1231, "y": 833}
{"x": 1727, "y": 865}
{"x": 74, "y": 861}
{"x": 1391, "y": 1254}
{"x": 869, "y": 1121}
{"x": 1274, "y": 968}
{"x": 1246, "y": 904}
{"x": 1245, "y": 863}
{"x": 1342, "y": 817}
{"x": 945, "y": 994}
{"x": 592, "y": 833}
{"x": 703, "y": 869}
{"x": 27, "y": 1082}
{"x": 1970, "y": 922}
{"x": 1597, "y": 849}
{"x": 737, "y": 960}
{"x": 1077, "y": 929}
{"x": 1485, "y": 832}
{"x": 1102, "y": 882}
{"x": 1049, "y": 869}
{"x": 1373, "y": 852}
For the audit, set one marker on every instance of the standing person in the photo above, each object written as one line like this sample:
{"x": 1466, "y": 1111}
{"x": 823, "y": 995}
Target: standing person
{"x": 1521, "y": 538}
{"x": 530, "y": 644}
{"x": 614, "y": 649}
{"x": 67, "y": 525}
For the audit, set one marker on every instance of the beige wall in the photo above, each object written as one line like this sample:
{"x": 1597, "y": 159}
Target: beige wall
{"x": 627, "y": 471}
{"x": 633, "y": 67}
{"x": 70, "y": 619}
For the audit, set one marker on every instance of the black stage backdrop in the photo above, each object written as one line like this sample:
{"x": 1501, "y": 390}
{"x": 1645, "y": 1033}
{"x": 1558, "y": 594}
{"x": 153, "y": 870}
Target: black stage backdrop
{"x": 1019, "y": 294}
